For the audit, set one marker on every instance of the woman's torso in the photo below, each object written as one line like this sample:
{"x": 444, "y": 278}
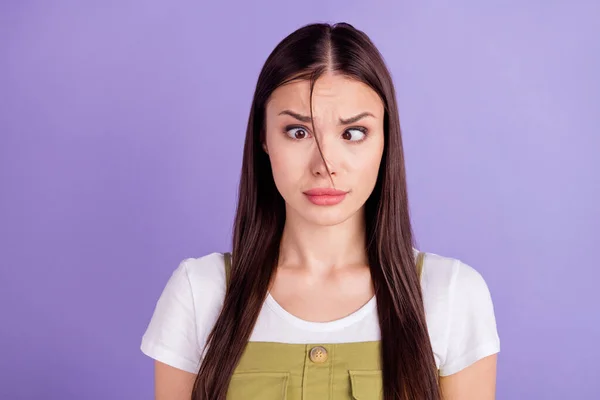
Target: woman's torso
{"x": 458, "y": 311}
{"x": 293, "y": 359}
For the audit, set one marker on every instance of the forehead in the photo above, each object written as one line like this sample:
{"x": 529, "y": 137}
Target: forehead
{"x": 332, "y": 93}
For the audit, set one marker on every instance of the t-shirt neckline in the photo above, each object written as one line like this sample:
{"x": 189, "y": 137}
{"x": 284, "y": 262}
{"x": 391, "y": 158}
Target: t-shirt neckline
{"x": 337, "y": 324}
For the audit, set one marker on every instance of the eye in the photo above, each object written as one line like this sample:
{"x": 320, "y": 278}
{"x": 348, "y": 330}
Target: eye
{"x": 297, "y": 132}
{"x": 355, "y": 134}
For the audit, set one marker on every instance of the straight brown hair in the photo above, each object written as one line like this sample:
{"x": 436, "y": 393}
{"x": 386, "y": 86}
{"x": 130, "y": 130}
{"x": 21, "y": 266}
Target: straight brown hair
{"x": 409, "y": 370}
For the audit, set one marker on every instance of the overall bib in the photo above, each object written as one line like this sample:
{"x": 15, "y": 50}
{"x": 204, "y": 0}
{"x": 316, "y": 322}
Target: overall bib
{"x": 318, "y": 371}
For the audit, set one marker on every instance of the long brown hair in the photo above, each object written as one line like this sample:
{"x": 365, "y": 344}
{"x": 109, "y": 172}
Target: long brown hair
{"x": 407, "y": 358}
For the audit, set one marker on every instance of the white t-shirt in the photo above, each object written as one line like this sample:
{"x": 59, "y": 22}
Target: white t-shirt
{"x": 458, "y": 308}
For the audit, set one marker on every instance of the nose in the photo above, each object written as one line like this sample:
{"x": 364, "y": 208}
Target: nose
{"x": 322, "y": 163}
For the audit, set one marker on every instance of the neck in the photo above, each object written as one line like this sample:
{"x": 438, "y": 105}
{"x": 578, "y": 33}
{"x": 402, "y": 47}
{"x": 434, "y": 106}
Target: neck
{"x": 317, "y": 247}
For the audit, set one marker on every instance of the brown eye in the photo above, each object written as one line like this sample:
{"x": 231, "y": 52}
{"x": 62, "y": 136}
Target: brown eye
{"x": 297, "y": 133}
{"x": 354, "y": 134}
{"x": 300, "y": 134}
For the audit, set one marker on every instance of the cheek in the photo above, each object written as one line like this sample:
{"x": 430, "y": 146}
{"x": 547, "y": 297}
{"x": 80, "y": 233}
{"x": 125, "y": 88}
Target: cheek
{"x": 368, "y": 170}
{"x": 366, "y": 165}
{"x": 366, "y": 173}
{"x": 287, "y": 168}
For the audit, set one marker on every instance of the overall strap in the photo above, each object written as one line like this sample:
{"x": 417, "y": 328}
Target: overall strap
{"x": 227, "y": 267}
{"x": 420, "y": 258}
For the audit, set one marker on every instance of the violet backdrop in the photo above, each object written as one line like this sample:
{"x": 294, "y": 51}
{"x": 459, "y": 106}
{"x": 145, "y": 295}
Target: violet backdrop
{"x": 122, "y": 125}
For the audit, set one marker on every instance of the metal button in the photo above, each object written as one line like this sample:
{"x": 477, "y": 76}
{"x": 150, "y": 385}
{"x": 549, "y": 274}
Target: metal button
{"x": 318, "y": 354}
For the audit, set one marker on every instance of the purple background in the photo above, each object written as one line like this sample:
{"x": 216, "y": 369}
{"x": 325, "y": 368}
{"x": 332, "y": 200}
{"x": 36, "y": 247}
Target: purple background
{"x": 122, "y": 125}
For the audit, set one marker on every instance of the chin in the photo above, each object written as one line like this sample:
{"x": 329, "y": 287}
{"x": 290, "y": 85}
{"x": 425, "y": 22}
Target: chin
{"x": 327, "y": 216}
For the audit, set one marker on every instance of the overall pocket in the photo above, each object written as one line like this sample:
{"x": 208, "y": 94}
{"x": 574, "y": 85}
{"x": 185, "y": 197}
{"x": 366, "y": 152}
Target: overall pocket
{"x": 258, "y": 386}
{"x": 366, "y": 385}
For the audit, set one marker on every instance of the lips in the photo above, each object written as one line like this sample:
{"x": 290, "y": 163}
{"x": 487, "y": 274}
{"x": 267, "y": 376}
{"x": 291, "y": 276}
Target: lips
{"x": 325, "y": 196}
{"x": 324, "y": 192}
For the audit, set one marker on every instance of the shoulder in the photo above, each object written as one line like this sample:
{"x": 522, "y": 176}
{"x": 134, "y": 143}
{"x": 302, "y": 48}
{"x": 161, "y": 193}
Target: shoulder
{"x": 205, "y": 276}
{"x": 207, "y": 271}
{"x": 186, "y": 312}
{"x": 459, "y": 312}
{"x": 447, "y": 275}
{"x": 202, "y": 279}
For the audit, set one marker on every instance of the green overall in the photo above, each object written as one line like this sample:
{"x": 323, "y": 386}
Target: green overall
{"x": 318, "y": 371}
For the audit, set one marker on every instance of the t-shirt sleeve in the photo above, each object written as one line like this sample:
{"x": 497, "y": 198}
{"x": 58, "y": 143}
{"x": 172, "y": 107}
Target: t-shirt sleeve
{"x": 472, "y": 333}
{"x": 171, "y": 335}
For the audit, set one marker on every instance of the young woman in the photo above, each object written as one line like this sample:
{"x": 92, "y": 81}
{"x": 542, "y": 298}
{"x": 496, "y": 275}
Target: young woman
{"x": 324, "y": 295}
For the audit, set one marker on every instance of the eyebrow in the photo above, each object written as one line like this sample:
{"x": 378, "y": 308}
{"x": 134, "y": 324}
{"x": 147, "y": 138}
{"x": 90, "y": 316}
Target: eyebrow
{"x": 347, "y": 121}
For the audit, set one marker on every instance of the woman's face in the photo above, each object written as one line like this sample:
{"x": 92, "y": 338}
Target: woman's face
{"x": 348, "y": 119}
